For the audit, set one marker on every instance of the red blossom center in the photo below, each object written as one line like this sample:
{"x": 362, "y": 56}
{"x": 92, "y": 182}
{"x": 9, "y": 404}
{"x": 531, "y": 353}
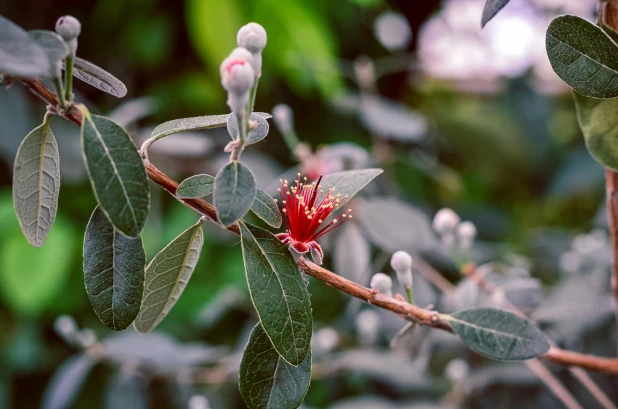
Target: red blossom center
{"x": 305, "y": 213}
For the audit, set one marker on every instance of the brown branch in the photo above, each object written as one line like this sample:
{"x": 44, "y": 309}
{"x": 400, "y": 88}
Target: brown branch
{"x": 419, "y": 315}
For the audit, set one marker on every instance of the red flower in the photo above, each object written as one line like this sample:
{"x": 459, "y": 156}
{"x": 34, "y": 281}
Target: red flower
{"x": 305, "y": 214}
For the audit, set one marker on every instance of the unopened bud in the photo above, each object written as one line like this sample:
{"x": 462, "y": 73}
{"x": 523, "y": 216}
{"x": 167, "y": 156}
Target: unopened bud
{"x": 69, "y": 29}
{"x": 66, "y": 327}
{"x": 253, "y": 37}
{"x": 237, "y": 77}
{"x": 445, "y": 221}
{"x": 466, "y": 232}
{"x": 456, "y": 370}
{"x": 382, "y": 283}
{"x": 198, "y": 402}
{"x": 284, "y": 118}
{"x": 402, "y": 264}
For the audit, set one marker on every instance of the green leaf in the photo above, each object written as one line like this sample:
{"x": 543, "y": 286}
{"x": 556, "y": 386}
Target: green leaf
{"x": 167, "y": 276}
{"x": 116, "y": 173}
{"x": 278, "y": 292}
{"x": 498, "y": 334}
{"x": 349, "y": 182}
{"x": 195, "y": 124}
{"x": 266, "y": 380}
{"x": 55, "y": 48}
{"x": 235, "y": 190}
{"x": 113, "y": 272}
{"x": 31, "y": 279}
{"x": 97, "y": 77}
{"x": 266, "y": 209}
{"x": 36, "y": 184}
{"x": 492, "y": 7}
{"x": 599, "y": 124}
{"x": 196, "y": 186}
{"x": 256, "y": 134}
{"x": 20, "y": 55}
{"x": 584, "y": 56}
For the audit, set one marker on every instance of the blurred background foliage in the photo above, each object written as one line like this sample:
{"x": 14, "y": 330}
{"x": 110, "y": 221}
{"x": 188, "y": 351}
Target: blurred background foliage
{"x": 459, "y": 117}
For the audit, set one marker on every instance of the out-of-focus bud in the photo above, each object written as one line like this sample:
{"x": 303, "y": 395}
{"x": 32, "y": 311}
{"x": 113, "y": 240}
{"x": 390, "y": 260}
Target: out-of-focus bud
{"x": 382, "y": 283}
{"x": 445, "y": 221}
{"x": 69, "y": 29}
{"x": 198, "y": 402}
{"x": 284, "y": 118}
{"x": 237, "y": 77}
{"x": 368, "y": 326}
{"x": 402, "y": 264}
{"x": 466, "y": 232}
{"x": 253, "y": 37}
{"x": 456, "y": 370}
{"x": 325, "y": 340}
{"x": 66, "y": 327}
{"x": 87, "y": 337}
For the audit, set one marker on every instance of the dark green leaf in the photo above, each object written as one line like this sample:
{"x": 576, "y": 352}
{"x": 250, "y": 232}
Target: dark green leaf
{"x": 267, "y": 381}
{"x": 97, "y": 77}
{"x": 113, "y": 272}
{"x": 498, "y": 334}
{"x": 55, "y": 48}
{"x": 278, "y": 292}
{"x": 20, "y": 55}
{"x": 492, "y": 7}
{"x": 235, "y": 190}
{"x": 256, "y": 134}
{"x": 196, "y": 186}
{"x": 266, "y": 209}
{"x": 349, "y": 182}
{"x": 167, "y": 276}
{"x": 584, "y": 56}
{"x": 599, "y": 123}
{"x": 36, "y": 184}
{"x": 116, "y": 172}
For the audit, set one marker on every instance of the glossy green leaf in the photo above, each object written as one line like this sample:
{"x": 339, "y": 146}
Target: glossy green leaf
{"x": 492, "y": 7}
{"x": 266, "y": 380}
{"x": 20, "y": 55}
{"x": 278, "y": 292}
{"x": 266, "y": 209}
{"x": 55, "y": 48}
{"x": 498, "y": 334}
{"x": 584, "y": 56}
{"x": 256, "y": 134}
{"x": 36, "y": 184}
{"x": 113, "y": 272}
{"x": 235, "y": 190}
{"x": 97, "y": 77}
{"x": 167, "y": 276}
{"x": 599, "y": 123}
{"x": 349, "y": 182}
{"x": 196, "y": 186}
{"x": 31, "y": 279}
{"x": 117, "y": 174}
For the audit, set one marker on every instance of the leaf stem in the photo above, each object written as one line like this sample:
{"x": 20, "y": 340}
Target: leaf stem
{"x": 68, "y": 78}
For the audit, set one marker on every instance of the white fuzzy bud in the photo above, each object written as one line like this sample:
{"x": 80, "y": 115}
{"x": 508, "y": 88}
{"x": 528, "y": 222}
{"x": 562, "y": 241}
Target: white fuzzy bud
{"x": 382, "y": 283}
{"x": 466, "y": 232}
{"x": 456, "y": 370}
{"x": 198, "y": 402}
{"x": 66, "y": 327}
{"x": 253, "y": 37}
{"x": 237, "y": 77}
{"x": 284, "y": 118}
{"x": 401, "y": 262}
{"x": 69, "y": 29}
{"x": 368, "y": 326}
{"x": 445, "y": 221}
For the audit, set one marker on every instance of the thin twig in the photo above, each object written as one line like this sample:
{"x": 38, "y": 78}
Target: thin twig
{"x": 416, "y": 314}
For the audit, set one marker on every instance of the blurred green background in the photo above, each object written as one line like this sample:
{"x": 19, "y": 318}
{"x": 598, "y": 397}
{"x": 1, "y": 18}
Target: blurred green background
{"x": 457, "y": 117}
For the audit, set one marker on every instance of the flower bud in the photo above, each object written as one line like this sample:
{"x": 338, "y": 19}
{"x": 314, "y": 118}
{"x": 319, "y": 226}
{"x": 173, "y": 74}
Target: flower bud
{"x": 466, "y": 232}
{"x": 69, "y": 29}
{"x": 284, "y": 118}
{"x": 198, "y": 402}
{"x": 382, "y": 283}
{"x": 445, "y": 221}
{"x": 253, "y": 37}
{"x": 237, "y": 77}
{"x": 402, "y": 264}
{"x": 66, "y": 327}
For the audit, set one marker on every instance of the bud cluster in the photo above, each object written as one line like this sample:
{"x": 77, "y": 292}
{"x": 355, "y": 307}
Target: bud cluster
{"x": 455, "y": 234}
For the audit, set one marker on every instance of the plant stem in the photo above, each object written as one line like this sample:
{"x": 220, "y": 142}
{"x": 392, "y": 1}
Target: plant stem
{"x": 59, "y": 92}
{"x": 68, "y": 78}
{"x": 409, "y": 295}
